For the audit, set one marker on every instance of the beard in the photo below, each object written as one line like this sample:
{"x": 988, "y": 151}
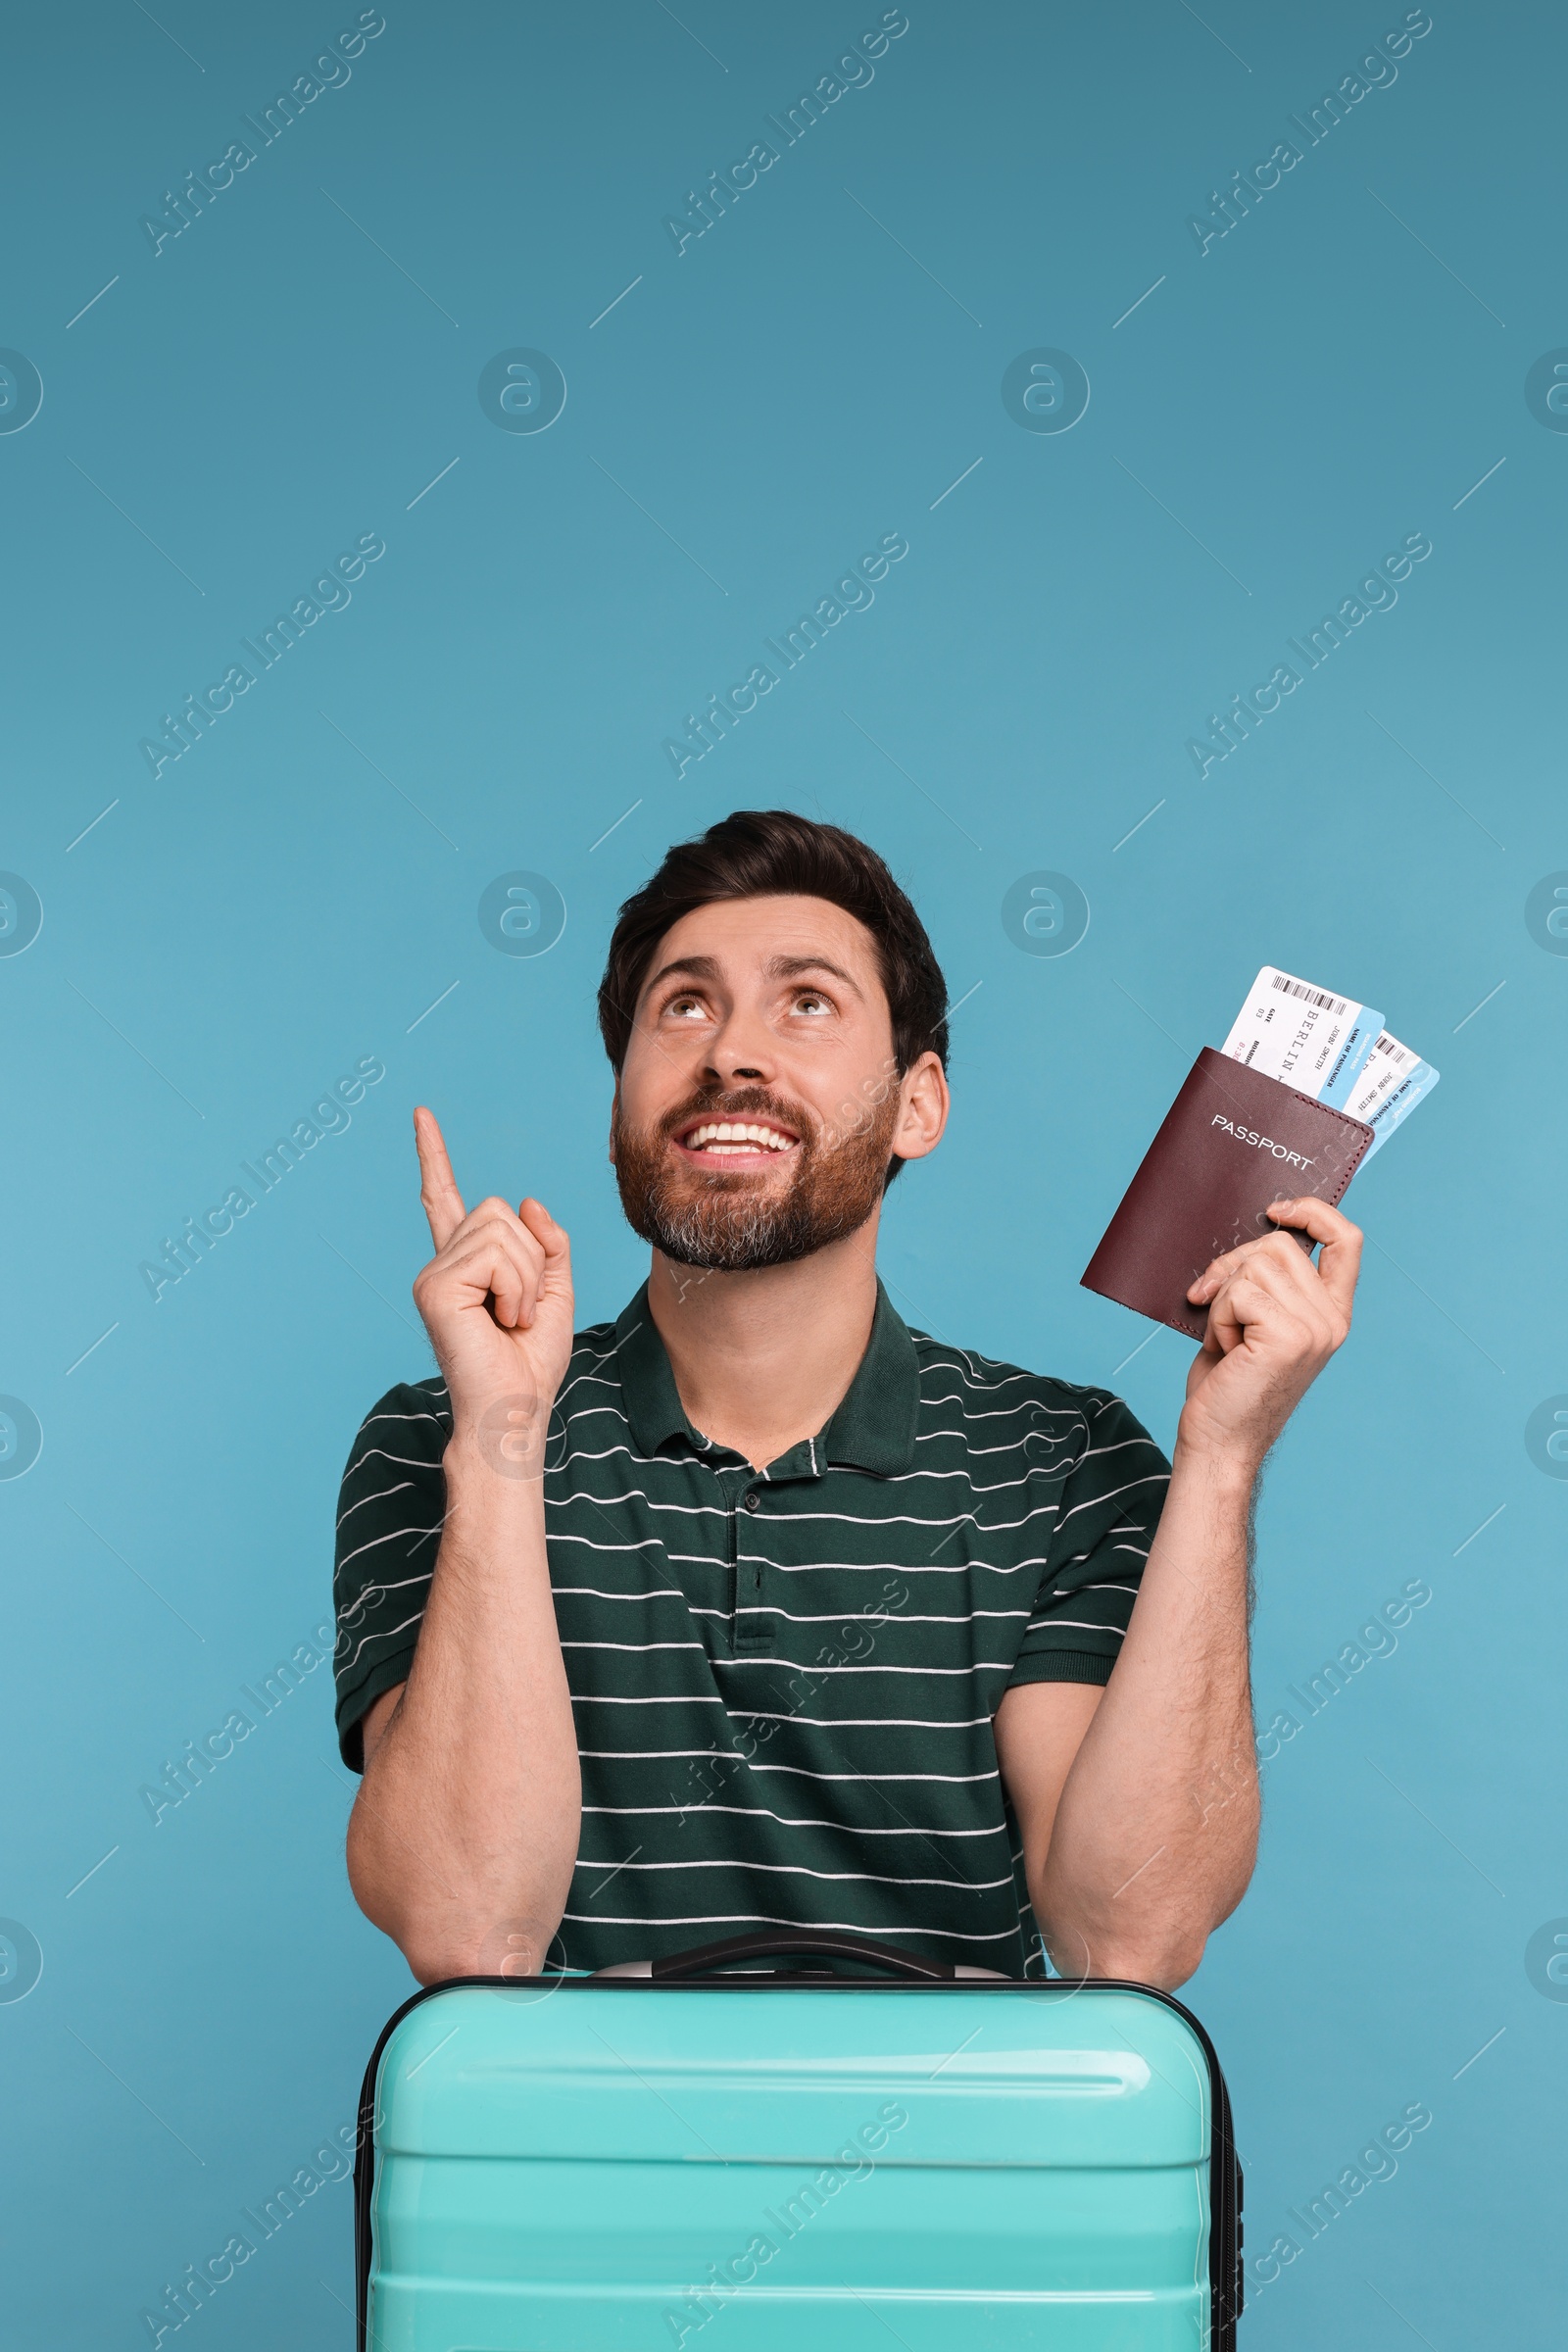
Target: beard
{"x": 731, "y": 1224}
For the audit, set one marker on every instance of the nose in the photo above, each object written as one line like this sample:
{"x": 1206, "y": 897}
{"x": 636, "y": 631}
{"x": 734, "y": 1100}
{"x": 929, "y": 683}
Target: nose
{"x": 741, "y": 1051}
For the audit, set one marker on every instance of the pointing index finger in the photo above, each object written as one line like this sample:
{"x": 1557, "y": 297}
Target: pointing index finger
{"x": 438, "y": 1187}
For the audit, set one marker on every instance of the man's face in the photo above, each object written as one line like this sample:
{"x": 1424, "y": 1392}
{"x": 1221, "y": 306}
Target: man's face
{"x": 761, "y": 1103}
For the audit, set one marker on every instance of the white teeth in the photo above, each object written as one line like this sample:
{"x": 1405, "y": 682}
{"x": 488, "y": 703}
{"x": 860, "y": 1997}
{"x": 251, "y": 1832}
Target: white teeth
{"x": 737, "y": 1135}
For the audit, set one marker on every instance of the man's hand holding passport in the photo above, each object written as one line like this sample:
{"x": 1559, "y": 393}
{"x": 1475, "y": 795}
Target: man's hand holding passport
{"x": 1308, "y": 1084}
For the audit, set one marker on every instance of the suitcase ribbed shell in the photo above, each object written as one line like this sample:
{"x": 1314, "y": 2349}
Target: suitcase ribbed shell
{"x": 758, "y": 2164}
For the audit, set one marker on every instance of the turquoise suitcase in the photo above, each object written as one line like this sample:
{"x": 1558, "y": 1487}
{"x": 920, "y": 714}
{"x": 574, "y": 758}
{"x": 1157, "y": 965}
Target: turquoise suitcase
{"x": 715, "y": 2151}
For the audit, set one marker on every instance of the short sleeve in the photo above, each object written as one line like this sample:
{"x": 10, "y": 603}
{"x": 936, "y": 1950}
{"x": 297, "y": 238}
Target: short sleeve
{"x": 1109, "y": 1509}
{"x": 390, "y": 1510}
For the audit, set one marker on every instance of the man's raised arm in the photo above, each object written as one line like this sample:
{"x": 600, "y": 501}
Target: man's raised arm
{"x": 463, "y": 1835}
{"x": 1140, "y": 1814}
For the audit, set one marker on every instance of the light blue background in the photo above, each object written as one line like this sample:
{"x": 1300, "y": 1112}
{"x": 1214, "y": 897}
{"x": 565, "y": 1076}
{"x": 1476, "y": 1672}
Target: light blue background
{"x": 755, "y": 414}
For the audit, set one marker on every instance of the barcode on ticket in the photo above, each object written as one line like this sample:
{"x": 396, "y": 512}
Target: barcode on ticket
{"x": 1311, "y": 996}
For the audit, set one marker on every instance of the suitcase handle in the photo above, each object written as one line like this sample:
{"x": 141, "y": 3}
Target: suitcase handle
{"x": 705, "y": 1959}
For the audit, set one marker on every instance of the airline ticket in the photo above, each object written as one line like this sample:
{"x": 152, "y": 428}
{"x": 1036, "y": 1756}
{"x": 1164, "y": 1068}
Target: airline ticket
{"x": 1393, "y": 1079}
{"x": 1304, "y": 1036}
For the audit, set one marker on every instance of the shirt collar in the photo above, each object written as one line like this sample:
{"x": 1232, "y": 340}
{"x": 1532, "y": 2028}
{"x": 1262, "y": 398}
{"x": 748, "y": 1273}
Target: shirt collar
{"x": 873, "y": 1427}
{"x": 647, "y": 1382}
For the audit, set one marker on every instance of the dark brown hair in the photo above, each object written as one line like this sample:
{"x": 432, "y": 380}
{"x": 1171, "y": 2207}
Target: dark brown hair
{"x": 766, "y": 853}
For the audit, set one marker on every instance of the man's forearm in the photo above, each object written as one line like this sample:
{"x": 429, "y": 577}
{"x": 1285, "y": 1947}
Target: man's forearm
{"x": 1156, "y": 1832}
{"x": 465, "y": 1833}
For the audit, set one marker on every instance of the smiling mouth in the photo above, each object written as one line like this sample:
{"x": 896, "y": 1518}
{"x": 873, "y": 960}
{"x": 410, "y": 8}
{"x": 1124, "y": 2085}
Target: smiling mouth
{"x": 734, "y": 1143}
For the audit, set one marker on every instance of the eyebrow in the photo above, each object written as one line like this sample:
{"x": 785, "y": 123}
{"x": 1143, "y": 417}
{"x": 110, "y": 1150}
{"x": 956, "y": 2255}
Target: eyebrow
{"x": 790, "y": 967}
{"x": 701, "y": 968}
{"x": 777, "y": 967}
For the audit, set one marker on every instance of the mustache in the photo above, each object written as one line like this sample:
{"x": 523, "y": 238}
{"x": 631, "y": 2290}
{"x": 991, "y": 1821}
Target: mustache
{"x": 741, "y": 1102}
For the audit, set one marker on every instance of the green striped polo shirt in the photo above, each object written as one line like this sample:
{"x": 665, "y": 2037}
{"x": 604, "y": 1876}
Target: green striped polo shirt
{"x": 784, "y": 1681}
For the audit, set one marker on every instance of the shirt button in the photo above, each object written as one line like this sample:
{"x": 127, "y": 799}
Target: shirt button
{"x": 751, "y": 1498}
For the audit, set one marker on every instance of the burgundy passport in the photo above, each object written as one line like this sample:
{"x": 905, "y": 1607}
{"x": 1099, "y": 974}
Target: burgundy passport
{"x": 1232, "y": 1142}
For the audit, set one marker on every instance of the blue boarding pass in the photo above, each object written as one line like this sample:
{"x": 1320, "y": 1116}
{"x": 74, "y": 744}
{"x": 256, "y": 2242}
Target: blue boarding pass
{"x": 1393, "y": 1079}
{"x": 1304, "y": 1036}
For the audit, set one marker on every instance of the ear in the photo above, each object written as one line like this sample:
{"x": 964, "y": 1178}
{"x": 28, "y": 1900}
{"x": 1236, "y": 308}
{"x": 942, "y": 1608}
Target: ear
{"x": 925, "y": 1104}
{"x": 614, "y": 1117}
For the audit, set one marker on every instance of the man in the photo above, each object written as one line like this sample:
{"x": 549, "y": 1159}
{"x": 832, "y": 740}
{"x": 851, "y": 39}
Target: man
{"x": 755, "y": 1608}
